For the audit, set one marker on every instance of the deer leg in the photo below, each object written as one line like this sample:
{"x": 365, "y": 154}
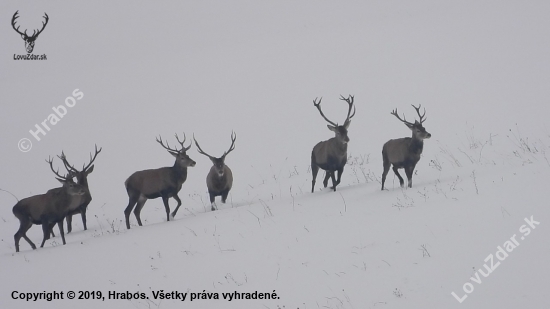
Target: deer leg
{"x": 61, "y": 231}
{"x": 401, "y": 182}
{"x": 131, "y": 203}
{"x": 46, "y": 230}
{"x": 334, "y": 183}
{"x": 340, "y": 172}
{"x": 141, "y": 201}
{"x": 69, "y": 223}
{"x": 385, "y": 172}
{"x": 83, "y": 214}
{"x": 24, "y": 226}
{"x": 409, "y": 172}
{"x": 328, "y": 174}
{"x": 177, "y": 198}
{"x": 213, "y": 205}
{"x": 224, "y": 195}
{"x": 314, "y": 171}
{"x": 166, "y": 207}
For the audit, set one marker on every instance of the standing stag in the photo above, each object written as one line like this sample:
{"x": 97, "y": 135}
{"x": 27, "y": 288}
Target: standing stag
{"x": 81, "y": 179}
{"x": 331, "y": 155}
{"x": 47, "y": 209}
{"x": 163, "y": 182}
{"x": 405, "y": 152}
{"x": 220, "y": 178}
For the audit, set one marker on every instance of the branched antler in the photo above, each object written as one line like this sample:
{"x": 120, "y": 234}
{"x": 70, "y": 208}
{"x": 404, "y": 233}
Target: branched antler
{"x": 422, "y": 119}
{"x": 174, "y": 151}
{"x": 92, "y": 159}
{"x": 68, "y": 166}
{"x": 318, "y": 105}
{"x": 34, "y": 33}
{"x": 349, "y": 100}
{"x": 202, "y": 151}
{"x": 418, "y": 112}
{"x": 67, "y": 177}
{"x": 404, "y": 120}
{"x": 233, "y": 139}
{"x": 13, "y": 24}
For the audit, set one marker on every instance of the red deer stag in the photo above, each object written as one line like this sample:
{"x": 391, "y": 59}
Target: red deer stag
{"x": 47, "y": 209}
{"x": 405, "y": 152}
{"x": 220, "y": 178}
{"x": 81, "y": 179}
{"x": 163, "y": 182}
{"x": 331, "y": 155}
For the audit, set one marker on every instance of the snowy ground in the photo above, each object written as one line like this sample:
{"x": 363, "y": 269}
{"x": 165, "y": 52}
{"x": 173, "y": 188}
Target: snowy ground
{"x": 481, "y": 70}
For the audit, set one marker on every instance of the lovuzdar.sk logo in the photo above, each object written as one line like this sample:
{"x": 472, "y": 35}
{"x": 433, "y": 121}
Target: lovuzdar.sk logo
{"x": 29, "y": 39}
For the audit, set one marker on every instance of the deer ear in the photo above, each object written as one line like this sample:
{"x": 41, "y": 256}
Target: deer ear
{"x": 410, "y": 125}
{"x": 332, "y": 128}
{"x": 61, "y": 180}
{"x": 90, "y": 170}
{"x": 174, "y": 154}
{"x": 23, "y": 36}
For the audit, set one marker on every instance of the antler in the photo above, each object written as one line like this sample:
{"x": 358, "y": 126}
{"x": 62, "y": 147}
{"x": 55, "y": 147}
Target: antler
{"x": 200, "y": 149}
{"x": 174, "y": 151}
{"x": 349, "y": 100}
{"x": 183, "y": 148}
{"x": 85, "y": 168}
{"x": 34, "y": 33}
{"x": 68, "y": 166}
{"x": 43, "y": 26}
{"x": 318, "y": 105}
{"x": 422, "y": 119}
{"x": 404, "y": 120}
{"x": 13, "y": 24}
{"x": 71, "y": 169}
{"x": 418, "y": 112}
{"x": 233, "y": 139}
{"x": 69, "y": 175}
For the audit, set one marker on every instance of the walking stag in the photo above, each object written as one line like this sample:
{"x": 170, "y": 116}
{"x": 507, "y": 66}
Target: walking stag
{"x": 81, "y": 179}
{"x": 405, "y": 152}
{"x": 47, "y": 209}
{"x": 220, "y": 178}
{"x": 331, "y": 155}
{"x": 163, "y": 182}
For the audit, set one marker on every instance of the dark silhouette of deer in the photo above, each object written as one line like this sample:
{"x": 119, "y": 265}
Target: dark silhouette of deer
{"x": 163, "y": 182}
{"x": 29, "y": 40}
{"x": 220, "y": 178}
{"x": 331, "y": 155}
{"x": 81, "y": 179}
{"x": 405, "y": 152}
{"x": 47, "y": 209}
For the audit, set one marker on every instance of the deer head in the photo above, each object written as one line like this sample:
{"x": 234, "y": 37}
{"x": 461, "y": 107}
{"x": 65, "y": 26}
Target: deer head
{"x": 182, "y": 159}
{"x": 219, "y": 163}
{"x": 341, "y": 131}
{"x": 72, "y": 188}
{"x": 418, "y": 131}
{"x": 29, "y": 40}
{"x": 81, "y": 176}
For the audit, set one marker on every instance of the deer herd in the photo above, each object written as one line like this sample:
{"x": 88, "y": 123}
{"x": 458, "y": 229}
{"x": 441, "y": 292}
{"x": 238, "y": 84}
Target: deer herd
{"x": 73, "y": 197}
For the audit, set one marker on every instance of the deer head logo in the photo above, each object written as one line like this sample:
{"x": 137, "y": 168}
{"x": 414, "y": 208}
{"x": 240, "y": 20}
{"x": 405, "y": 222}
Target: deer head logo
{"x": 29, "y": 40}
